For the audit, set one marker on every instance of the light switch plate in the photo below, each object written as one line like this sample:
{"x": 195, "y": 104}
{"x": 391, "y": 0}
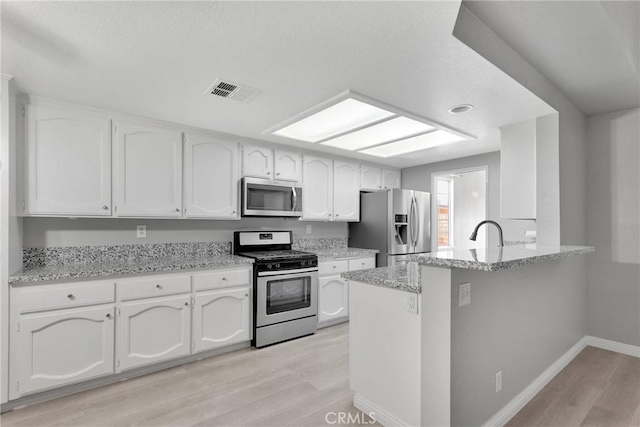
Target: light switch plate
{"x": 308, "y": 229}
{"x": 412, "y": 303}
{"x": 141, "y": 231}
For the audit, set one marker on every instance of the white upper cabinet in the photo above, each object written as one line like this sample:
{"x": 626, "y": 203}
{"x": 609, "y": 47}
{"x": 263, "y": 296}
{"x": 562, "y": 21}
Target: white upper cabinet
{"x": 390, "y": 178}
{"x": 346, "y": 191}
{"x": 317, "y": 175}
{"x": 257, "y": 161}
{"x": 211, "y": 175}
{"x": 68, "y": 162}
{"x": 370, "y": 178}
{"x": 148, "y": 171}
{"x": 288, "y": 165}
{"x": 518, "y": 170}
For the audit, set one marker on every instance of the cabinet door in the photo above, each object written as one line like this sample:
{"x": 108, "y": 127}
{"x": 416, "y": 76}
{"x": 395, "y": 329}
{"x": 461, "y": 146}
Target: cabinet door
{"x": 390, "y": 178}
{"x": 154, "y": 330}
{"x": 148, "y": 171}
{"x": 288, "y": 165}
{"x": 370, "y": 178}
{"x": 64, "y": 346}
{"x": 221, "y": 318}
{"x": 257, "y": 161}
{"x": 346, "y": 191}
{"x": 317, "y": 201}
{"x": 211, "y": 178}
{"x": 333, "y": 298}
{"x": 68, "y": 162}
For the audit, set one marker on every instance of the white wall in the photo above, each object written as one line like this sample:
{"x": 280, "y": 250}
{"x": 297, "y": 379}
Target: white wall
{"x": 10, "y": 223}
{"x": 419, "y": 178}
{"x": 469, "y": 208}
{"x": 613, "y": 218}
{"x": 45, "y": 232}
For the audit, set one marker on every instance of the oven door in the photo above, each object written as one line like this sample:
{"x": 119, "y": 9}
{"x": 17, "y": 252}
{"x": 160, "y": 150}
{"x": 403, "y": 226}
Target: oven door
{"x": 284, "y": 296}
{"x": 261, "y": 197}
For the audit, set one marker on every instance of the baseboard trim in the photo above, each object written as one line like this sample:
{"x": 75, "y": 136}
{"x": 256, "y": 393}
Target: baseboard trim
{"x": 618, "y": 347}
{"x": 503, "y": 416}
{"x": 378, "y": 414}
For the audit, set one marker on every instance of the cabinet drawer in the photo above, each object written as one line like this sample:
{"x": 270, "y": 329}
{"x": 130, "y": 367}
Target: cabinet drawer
{"x": 332, "y": 267}
{"x": 222, "y": 279}
{"x": 153, "y": 287}
{"x": 51, "y": 297}
{"x": 362, "y": 263}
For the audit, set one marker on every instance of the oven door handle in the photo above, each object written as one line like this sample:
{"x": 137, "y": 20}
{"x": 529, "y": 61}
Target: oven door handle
{"x": 294, "y": 201}
{"x": 287, "y": 272}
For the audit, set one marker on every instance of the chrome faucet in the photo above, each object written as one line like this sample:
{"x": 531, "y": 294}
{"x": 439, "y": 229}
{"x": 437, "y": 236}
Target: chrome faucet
{"x": 487, "y": 221}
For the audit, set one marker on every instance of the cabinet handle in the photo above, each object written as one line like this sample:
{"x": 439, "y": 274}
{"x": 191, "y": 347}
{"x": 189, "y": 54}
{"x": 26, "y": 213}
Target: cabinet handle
{"x": 246, "y": 295}
{"x": 224, "y": 279}
{"x": 186, "y": 304}
{"x": 105, "y": 207}
{"x": 109, "y": 316}
{"x": 159, "y": 286}
{"x": 71, "y": 297}
{"x": 337, "y": 215}
{"x": 278, "y": 174}
{"x": 334, "y": 266}
{"x": 177, "y": 209}
{"x": 233, "y": 212}
{"x": 329, "y": 214}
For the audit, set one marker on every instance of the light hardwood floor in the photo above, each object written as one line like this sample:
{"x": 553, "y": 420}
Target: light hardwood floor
{"x": 294, "y": 383}
{"x": 299, "y": 382}
{"x": 598, "y": 388}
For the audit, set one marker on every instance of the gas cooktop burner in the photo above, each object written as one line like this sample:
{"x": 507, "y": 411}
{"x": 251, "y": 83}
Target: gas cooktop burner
{"x": 276, "y": 254}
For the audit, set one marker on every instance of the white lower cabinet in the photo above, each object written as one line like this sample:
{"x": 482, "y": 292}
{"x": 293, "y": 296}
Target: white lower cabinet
{"x": 67, "y": 333}
{"x": 333, "y": 291}
{"x": 64, "y": 346}
{"x": 154, "y": 330}
{"x": 334, "y": 298}
{"x": 221, "y": 317}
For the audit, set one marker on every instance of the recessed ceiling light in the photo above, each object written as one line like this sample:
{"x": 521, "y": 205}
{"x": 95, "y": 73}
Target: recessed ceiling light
{"x": 462, "y": 108}
{"x": 342, "y": 117}
{"x": 416, "y": 143}
{"x": 390, "y": 130}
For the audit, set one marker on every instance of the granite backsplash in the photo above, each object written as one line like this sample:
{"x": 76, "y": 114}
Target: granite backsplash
{"x": 52, "y": 256}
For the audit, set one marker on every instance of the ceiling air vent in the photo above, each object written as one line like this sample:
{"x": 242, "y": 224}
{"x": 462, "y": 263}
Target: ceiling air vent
{"x": 229, "y": 90}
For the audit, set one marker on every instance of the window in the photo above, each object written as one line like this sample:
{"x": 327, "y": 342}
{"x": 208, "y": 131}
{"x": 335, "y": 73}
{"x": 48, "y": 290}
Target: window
{"x": 444, "y": 190}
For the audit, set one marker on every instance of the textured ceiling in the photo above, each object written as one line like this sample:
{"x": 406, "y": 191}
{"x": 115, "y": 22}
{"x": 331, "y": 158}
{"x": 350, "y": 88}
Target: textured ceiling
{"x": 589, "y": 50}
{"x": 156, "y": 59}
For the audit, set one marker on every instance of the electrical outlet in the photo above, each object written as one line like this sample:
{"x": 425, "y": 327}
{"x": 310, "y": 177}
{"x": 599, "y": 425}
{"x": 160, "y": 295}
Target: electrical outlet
{"x": 498, "y": 381}
{"x": 141, "y": 231}
{"x": 308, "y": 229}
{"x": 412, "y": 303}
{"x": 464, "y": 294}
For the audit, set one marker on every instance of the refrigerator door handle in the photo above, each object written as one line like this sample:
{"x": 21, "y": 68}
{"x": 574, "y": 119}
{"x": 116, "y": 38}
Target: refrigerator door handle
{"x": 416, "y": 218}
{"x": 411, "y": 226}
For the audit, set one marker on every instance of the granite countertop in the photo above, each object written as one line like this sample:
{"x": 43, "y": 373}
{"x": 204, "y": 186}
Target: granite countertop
{"x": 492, "y": 259}
{"x": 500, "y": 258}
{"x": 343, "y": 252}
{"x": 396, "y": 277}
{"x": 118, "y": 268}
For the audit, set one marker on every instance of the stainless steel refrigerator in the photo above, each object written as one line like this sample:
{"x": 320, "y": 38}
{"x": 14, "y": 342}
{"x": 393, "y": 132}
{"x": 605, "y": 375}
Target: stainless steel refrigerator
{"x": 395, "y": 222}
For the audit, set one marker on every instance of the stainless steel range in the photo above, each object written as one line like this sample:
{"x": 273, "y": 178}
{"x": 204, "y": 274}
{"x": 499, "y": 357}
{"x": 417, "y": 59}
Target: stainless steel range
{"x": 285, "y": 286}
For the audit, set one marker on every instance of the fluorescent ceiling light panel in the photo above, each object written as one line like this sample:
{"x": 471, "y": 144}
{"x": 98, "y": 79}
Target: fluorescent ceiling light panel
{"x": 416, "y": 143}
{"x": 341, "y": 117}
{"x": 397, "y": 128}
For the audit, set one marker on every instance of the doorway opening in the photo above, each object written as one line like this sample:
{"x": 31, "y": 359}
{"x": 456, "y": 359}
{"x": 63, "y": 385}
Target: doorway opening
{"x": 460, "y": 202}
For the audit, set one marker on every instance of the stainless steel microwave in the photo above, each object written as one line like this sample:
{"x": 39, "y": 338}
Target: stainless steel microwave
{"x": 263, "y": 197}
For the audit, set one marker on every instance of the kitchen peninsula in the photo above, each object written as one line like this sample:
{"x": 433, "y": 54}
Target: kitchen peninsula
{"x": 422, "y": 355}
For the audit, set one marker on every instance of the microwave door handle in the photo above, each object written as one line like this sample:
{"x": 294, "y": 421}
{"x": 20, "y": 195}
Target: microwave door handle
{"x": 294, "y": 201}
